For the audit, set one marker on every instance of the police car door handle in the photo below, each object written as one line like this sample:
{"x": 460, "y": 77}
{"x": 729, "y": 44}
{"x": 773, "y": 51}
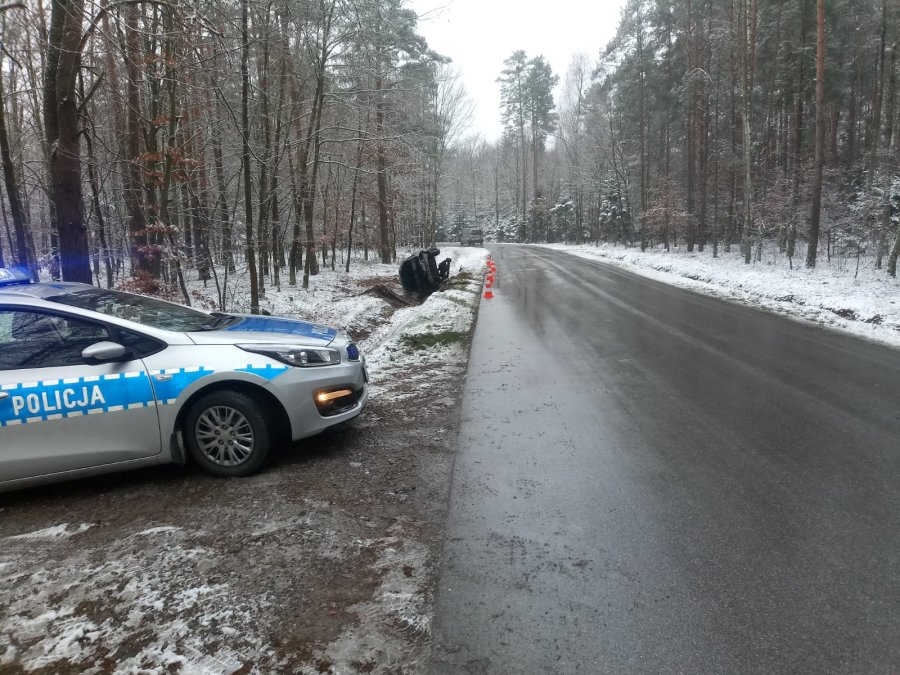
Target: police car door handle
{"x": 3, "y": 395}
{"x": 162, "y": 377}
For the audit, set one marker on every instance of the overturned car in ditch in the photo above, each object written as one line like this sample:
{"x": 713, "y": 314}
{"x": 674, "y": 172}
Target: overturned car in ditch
{"x": 422, "y": 274}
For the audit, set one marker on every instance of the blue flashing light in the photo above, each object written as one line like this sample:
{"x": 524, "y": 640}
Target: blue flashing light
{"x": 14, "y": 276}
{"x": 352, "y": 352}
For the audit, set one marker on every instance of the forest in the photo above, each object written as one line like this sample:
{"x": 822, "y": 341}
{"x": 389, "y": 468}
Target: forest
{"x": 705, "y": 123}
{"x": 255, "y": 142}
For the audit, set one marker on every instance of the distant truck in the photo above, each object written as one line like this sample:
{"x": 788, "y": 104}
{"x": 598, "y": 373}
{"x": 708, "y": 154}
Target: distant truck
{"x": 472, "y": 237}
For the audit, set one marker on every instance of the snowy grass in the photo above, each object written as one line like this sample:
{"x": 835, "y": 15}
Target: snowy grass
{"x": 152, "y": 597}
{"x": 866, "y": 304}
{"x": 400, "y": 602}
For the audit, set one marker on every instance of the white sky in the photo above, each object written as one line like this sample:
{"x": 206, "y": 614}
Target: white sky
{"x": 479, "y": 34}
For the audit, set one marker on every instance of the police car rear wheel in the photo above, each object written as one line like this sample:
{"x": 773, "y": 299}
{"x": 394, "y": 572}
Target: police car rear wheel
{"x": 227, "y": 433}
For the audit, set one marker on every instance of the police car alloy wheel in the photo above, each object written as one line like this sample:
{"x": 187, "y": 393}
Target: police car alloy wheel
{"x": 227, "y": 433}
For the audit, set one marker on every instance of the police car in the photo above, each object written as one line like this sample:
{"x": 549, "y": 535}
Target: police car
{"x": 94, "y": 381}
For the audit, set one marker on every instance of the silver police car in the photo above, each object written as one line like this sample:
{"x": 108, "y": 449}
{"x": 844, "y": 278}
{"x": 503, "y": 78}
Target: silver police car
{"x": 94, "y": 381}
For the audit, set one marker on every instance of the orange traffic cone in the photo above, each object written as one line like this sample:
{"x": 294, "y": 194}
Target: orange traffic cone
{"x": 488, "y": 294}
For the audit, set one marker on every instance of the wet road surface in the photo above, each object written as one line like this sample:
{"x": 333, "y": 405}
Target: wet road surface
{"x": 650, "y": 480}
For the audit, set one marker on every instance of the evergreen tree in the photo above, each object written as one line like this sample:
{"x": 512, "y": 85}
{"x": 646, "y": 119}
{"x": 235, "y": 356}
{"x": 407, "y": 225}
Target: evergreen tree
{"x": 514, "y": 112}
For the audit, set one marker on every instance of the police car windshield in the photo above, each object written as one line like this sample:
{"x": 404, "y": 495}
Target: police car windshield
{"x": 145, "y": 311}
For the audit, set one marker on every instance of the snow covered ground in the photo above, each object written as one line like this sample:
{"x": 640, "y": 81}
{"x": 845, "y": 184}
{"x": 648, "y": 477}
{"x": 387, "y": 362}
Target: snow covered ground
{"x": 335, "y": 298}
{"x": 324, "y": 563}
{"x": 832, "y": 294}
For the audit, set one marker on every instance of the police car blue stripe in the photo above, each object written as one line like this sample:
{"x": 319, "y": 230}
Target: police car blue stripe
{"x": 267, "y": 372}
{"x": 168, "y": 389}
{"x": 176, "y": 381}
{"x": 32, "y": 402}
{"x": 50, "y": 400}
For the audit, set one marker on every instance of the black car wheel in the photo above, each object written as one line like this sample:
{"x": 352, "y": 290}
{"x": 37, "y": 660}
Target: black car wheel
{"x": 228, "y": 433}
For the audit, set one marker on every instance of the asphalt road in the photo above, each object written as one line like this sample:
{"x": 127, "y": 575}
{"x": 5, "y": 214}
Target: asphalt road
{"x": 650, "y": 480}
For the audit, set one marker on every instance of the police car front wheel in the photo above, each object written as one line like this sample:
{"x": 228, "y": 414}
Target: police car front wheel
{"x": 228, "y": 433}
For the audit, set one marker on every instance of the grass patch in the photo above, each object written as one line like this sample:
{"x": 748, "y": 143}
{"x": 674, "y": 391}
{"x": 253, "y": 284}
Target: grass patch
{"x": 426, "y": 340}
{"x": 460, "y": 280}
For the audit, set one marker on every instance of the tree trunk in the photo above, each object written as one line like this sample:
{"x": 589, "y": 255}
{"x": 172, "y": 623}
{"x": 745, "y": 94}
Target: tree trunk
{"x": 797, "y": 155}
{"x": 381, "y": 167}
{"x": 222, "y": 216}
{"x": 888, "y": 167}
{"x": 262, "y": 235}
{"x": 642, "y": 122}
{"x": 535, "y": 190}
{"x": 17, "y": 211}
{"x": 63, "y": 134}
{"x": 691, "y": 150}
{"x": 715, "y": 223}
{"x": 337, "y": 215}
{"x": 98, "y": 212}
{"x": 309, "y": 196}
{"x": 879, "y": 95}
{"x": 141, "y": 253}
{"x": 170, "y": 57}
{"x": 365, "y": 234}
{"x": 813, "y": 248}
{"x": 853, "y": 120}
{"x": 245, "y": 132}
{"x": 746, "y": 248}
{"x": 274, "y": 207}
{"x": 295, "y": 255}
{"x": 703, "y": 58}
{"x": 735, "y": 132}
{"x": 496, "y": 192}
{"x": 524, "y": 175}
{"x": 198, "y": 191}
{"x": 353, "y": 199}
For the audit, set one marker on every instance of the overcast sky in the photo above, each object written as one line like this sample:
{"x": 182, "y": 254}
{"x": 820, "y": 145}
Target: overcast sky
{"x": 479, "y": 34}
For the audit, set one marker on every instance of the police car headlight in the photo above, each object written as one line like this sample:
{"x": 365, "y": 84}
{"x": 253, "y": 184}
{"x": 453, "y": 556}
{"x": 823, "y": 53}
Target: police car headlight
{"x": 301, "y": 357}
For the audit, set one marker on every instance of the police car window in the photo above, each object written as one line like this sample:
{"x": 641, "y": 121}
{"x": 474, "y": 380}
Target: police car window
{"x": 40, "y": 340}
{"x": 140, "y": 345}
{"x": 145, "y": 311}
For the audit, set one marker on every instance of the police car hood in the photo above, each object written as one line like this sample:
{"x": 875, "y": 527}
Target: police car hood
{"x": 256, "y": 329}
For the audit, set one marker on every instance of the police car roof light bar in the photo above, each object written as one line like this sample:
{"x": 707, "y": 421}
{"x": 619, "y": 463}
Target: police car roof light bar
{"x": 14, "y": 276}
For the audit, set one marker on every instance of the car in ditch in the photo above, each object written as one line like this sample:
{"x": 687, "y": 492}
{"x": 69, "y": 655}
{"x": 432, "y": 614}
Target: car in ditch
{"x": 95, "y": 381}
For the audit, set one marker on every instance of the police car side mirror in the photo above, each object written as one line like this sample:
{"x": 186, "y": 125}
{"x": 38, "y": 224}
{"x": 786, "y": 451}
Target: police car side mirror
{"x": 104, "y": 352}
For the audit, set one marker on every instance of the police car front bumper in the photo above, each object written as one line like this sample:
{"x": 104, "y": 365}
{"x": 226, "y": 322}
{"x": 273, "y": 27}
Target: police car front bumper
{"x": 298, "y": 388}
